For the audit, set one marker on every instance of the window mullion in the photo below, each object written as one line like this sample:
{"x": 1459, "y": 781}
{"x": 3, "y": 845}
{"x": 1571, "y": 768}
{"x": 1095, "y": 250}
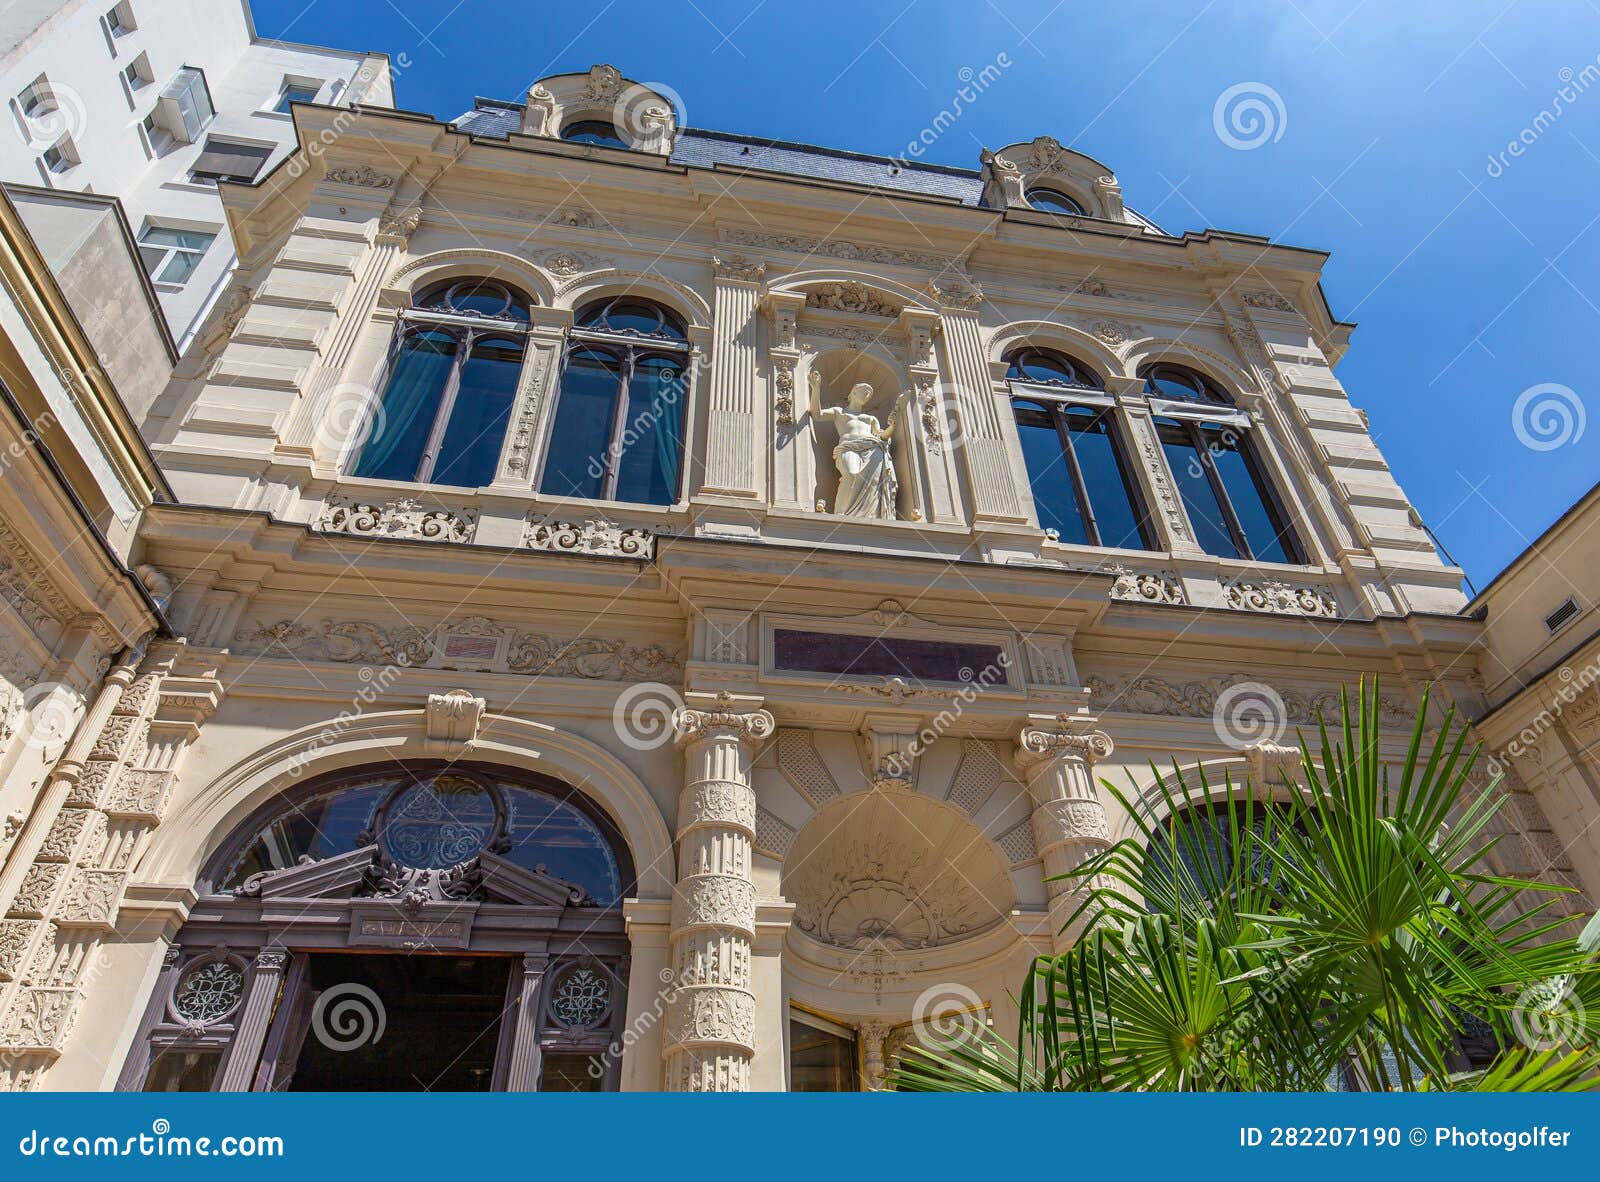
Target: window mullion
{"x": 619, "y": 417}
{"x": 1080, "y": 488}
{"x": 1208, "y": 464}
{"x": 1130, "y": 483}
{"x": 447, "y": 402}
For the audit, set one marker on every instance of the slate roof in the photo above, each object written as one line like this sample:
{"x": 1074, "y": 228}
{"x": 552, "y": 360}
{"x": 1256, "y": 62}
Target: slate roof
{"x": 696, "y": 148}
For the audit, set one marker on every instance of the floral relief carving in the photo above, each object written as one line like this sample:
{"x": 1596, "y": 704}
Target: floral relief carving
{"x": 362, "y": 177}
{"x": 1147, "y": 694}
{"x": 712, "y": 1014}
{"x": 1147, "y": 586}
{"x": 567, "y": 262}
{"x": 141, "y": 794}
{"x": 404, "y": 517}
{"x": 716, "y": 901}
{"x": 738, "y": 267}
{"x": 1059, "y": 821}
{"x": 40, "y": 1018}
{"x": 718, "y": 802}
{"x": 398, "y": 225}
{"x": 1279, "y": 598}
{"x": 928, "y": 404}
{"x": 15, "y": 937}
{"x": 1268, "y": 299}
{"x": 836, "y": 248}
{"x": 961, "y": 294}
{"x": 783, "y": 382}
{"x": 37, "y": 890}
{"x": 595, "y": 535}
{"x": 93, "y": 898}
{"x": 521, "y": 454}
{"x": 591, "y": 657}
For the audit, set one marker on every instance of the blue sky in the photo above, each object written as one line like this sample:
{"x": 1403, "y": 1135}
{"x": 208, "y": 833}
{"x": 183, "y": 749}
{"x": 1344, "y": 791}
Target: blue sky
{"x": 1471, "y": 283}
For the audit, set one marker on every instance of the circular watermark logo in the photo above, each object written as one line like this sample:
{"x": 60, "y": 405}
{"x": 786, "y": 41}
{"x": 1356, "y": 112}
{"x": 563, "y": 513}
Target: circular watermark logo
{"x": 53, "y": 111}
{"x": 1249, "y": 115}
{"x": 1249, "y": 713}
{"x": 946, "y": 1015}
{"x": 348, "y": 1017}
{"x": 646, "y": 110}
{"x": 1548, "y": 416}
{"x": 1547, "y": 1015}
{"x": 643, "y": 714}
{"x": 352, "y": 416}
{"x": 52, "y": 712}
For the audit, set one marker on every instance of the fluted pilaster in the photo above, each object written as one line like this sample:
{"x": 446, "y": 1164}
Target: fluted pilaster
{"x": 710, "y": 1030}
{"x": 731, "y": 424}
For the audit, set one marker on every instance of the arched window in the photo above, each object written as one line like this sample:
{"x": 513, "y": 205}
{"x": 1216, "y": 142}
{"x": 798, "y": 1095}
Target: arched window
{"x": 618, "y": 433}
{"x": 593, "y": 131}
{"x": 1232, "y": 506}
{"x": 450, "y": 382}
{"x": 1197, "y": 847}
{"x": 1054, "y": 201}
{"x": 1077, "y": 467}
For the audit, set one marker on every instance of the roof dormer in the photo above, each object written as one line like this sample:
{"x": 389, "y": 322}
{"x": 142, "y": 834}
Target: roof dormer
{"x": 1045, "y": 176}
{"x": 601, "y": 108}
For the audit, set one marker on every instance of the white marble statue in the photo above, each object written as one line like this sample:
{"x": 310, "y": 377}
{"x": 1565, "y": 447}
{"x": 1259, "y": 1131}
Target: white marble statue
{"x": 867, "y": 483}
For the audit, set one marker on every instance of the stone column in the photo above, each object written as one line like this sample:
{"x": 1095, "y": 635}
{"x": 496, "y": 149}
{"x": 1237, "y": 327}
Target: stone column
{"x": 522, "y": 1074}
{"x": 250, "y": 1028}
{"x": 1056, "y": 756}
{"x": 710, "y": 1030}
{"x": 731, "y": 426}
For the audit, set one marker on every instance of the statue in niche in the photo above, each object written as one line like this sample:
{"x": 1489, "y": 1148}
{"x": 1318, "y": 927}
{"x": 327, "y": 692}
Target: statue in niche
{"x": 867, "y": 483}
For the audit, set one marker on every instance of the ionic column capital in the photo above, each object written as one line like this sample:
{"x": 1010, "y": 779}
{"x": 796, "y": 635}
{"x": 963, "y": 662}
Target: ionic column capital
{"x": 724, "y": 716}
{"x": 1044, "y": 738}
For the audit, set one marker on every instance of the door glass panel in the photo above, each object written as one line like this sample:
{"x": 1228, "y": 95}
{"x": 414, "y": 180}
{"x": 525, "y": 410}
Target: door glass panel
{"x": 821, "y": 1060}
{"x": 182, "y": 1071}
{"x": 470, "y": 450}
{"x": 571, "y": 1073}
{"x": 577, "y": 461}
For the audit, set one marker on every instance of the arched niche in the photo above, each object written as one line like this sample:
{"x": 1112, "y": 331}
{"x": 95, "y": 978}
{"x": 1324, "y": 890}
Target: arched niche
{"x": 840, "y": 370}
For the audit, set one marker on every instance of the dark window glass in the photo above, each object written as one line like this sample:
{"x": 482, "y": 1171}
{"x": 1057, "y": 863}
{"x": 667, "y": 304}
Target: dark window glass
{"x": 1268, "y": 537}
{"x": 647, "y": 471}
{"x": 820, "y": 1060}
{"x": 1199, "y": 498}
{"x": 1051, "y": 368}
{"x": 576, "y": 466}
{"x": 548, "y": 832}
{"x": 571, "y": 1073}
{"x": 593, "y": 131}
{"x": 476, "y": 297}
{"x": 887, "y": 656}
{"x": 1048, "y": 475}
{"x": 471, "y": 446}
{"x": 1051, "y": 201}
{"x": 1081, "y": 484}
{"x": 618, "y": 433}
{"x": 411, "y": 398}
{"x": 182, "y": 1071}
{"x": 1182, "y": 385}
{"x": 1228, "y": 500}
{"x": 1105, "y": 475}
{"x": 1198, "y": 846}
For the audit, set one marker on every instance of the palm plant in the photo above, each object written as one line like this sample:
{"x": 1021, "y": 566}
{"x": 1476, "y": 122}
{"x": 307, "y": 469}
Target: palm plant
{"x": 1348, "y": 931}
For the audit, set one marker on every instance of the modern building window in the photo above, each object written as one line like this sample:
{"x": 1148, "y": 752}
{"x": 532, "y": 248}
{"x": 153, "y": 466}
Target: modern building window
{"x": 618, "y": 433}
{"x": 38, "y": 99}
{"x": 119, "y": 19}
{"x": 60, "y": 156}
{"x": 1230, "y": 502}
{"x": 452, "y": 378}
{"x": 185, "y": 106}
{"x": 593, "y": 131}
{"x": 296, "y": 92}
{"x": 171, "y": 255}
{"x": 227, "y": 160}
{"x": 1078, "y": 468}
{"x": 1053, "y": 201}
{"x": 137, "y": 73}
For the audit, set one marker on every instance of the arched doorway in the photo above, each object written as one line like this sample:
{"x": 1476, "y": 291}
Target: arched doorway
{"x": 405, "y": 926}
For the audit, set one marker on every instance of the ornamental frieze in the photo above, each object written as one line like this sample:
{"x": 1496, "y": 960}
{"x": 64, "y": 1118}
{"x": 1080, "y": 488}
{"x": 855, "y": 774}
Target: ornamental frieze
{"x": 596, "y": 536}
{"x": 836, "y": 248}
{"x": 499, "y": 647}
{"x": 1145, "y": 694}
{"x": 714, "y": 901}
{"x": 712, "y": 1014}
{"x": 717, "y": 802}
{"x": 1147, "y": 586}
{"x": 1284, "y": 599}
{"x": 404, "y": 517}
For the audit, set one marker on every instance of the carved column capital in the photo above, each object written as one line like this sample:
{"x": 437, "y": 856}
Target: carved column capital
{"x": 1273, "y": 763}
{"x": 724, "y": 717}
{"x": 1065, "y": 735}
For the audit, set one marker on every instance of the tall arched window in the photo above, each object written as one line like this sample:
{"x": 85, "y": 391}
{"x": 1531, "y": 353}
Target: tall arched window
{"x": 449, "y": 385}
{"x": 1232, "y": 506}
{"x": 618, "y": 433}
{"x": 1077, "y": 466}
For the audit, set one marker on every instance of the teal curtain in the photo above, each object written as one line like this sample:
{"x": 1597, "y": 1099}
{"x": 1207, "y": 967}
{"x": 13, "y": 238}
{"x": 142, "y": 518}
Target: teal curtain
{"x": 410, "y": 403}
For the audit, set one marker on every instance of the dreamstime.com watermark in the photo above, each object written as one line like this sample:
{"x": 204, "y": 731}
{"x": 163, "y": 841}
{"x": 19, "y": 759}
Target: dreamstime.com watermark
{"x": 1575, "y": 683}
{"x": 974, "y": 686}
{"x": 973, "y": 84}
{"x": 1574, "y": 84}
{"x": 1548, "y": 416}
{"x": 1249, "y": 115}
{"x": 375, "y": 683}
{"x": 160, "y": 1141}
{"x": 318, "y": 145}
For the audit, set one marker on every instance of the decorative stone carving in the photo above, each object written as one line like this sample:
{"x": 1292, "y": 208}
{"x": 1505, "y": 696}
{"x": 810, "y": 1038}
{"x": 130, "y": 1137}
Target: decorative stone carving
{"x": 591, "y": 657}
{"x": 927, "y": 391}
{"x": 712, "y": 1015}
{"x": 837, "y": 248}
{"x": 361, "y": 177}
{"x": 141, "y": 794}
{"x": 856, "y": 298}
{"x": 725, "y": 718}
{"x": 738, "y": 267}
{"x": 575, "y": 216}
{"x": 605, "y": 83}
{"x": 38, "y": 889}
{"x": 1268, "y": 299}
{"x": 783, "y": 385}
{"x": 1146, "y": 694}
{"x": 868, "y": 485}
{"x": 397, "y": 225}
{"x": 92, "y": 899}
{"x": 1058, "y": 821}
{"x": 956, "y": 293}
{"x": 1270, "y": 764}
{"x": 567, "y": 262}
{"x": 16, "y": 936}
{"x": 720, "y": 801}
{"x": 1147, "y": 586}
{"x": 1279, "y": 598}
{"x": 1043, "y": 742}
{"x": 520, "y": 455}
{"x": 453, "y": 718}
{"x": 595, "y": 536}
{"x": 404, "y": 517}
{"x": 40, "y": 1019}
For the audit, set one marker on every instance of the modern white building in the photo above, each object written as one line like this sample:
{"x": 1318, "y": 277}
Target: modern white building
{"x": 154, "y": 101}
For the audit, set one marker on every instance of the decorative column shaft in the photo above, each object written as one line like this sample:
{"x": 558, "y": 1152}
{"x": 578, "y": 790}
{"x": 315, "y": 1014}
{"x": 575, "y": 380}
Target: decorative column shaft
{"x": 710, "y": 1030}
{"x": 250, "y": 1028}
{"x": 1056, "y": 756}
{"x": 523, "y": 1073}
{"x": 731, "y": 427}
